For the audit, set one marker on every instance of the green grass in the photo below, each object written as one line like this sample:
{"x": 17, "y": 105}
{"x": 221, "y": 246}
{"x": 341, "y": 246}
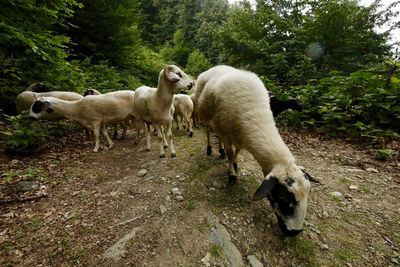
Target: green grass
{"x": 366, "y": 190}
{"x": 191, "y": 206}
{"x": 343, "y": 180}
{"x": 383, "y": 154}
{"x": 216, "y": 251}
{"x": 343, "y": 255}
{"x": 303, "y": 249}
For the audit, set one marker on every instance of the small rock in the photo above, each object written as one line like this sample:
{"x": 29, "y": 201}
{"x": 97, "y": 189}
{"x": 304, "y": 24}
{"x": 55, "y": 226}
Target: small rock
{"x": 14, "y": 162}
{"x": 254, "y": 262}
{"x": 141, "y": 173}
{"x": 151, "y": 177}
{"x": 336, "y": 194}
{"x": 24, "y": 186}
{"x": 179, "y": 198}
{"x": 324, "y": 246}
{"x": 163, "y": 209}
{"x": 167, "y": 198}
{"x": 175, "y": 191}
{"x": 372, "y": 170}
{"x": 395, "y": 261}
{"x": 206, "y": 259}
{"x": 353, "y": 187}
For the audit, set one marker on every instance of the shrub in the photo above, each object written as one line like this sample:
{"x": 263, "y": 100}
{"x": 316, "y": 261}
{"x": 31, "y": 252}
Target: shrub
{"x": 197, "y": 63}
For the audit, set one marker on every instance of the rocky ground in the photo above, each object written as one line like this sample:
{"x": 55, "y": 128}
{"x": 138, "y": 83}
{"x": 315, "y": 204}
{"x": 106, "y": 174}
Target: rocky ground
{"x": 69, "y": 206}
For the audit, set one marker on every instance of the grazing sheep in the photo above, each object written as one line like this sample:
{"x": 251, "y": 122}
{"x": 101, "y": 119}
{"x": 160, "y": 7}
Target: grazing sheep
{"x": 154, "y": 105}
{"x": 183, "y": 106}
{"x": 25, "y": 100}
{"x": 195, "y": 117}
{"x": 235, "y": 105}
{"x": 92, "y": 112}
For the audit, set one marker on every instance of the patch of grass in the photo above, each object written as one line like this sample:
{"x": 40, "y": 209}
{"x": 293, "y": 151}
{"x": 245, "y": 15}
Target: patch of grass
{"x": 34, "y": 225}
{"x": 383, "y": 154}
{"x": 216, "y": 251}
{"x": 9, "y": 175}
{"x": 343, "y": 255}
{"x": 204, "y": 225}
{"x": 343, "y": 180}
{"x": 191, "y": 206}
{"x": 304, "y": 250}
{"x": 337, "y": 199}
{"x": 365, "y": 190}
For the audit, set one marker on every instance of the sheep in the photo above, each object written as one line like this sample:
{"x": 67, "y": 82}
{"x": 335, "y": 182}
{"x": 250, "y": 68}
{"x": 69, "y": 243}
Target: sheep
{"x": 183, "y": 106}
{"x": 195, "y": 117}
{"x": 235, "y": 105}
{"x": 279, "y": 106}
{"x": 25, "y": 100}
{"x": 154, "y": 105}
{"x": 123, "y": 124}
{"x": 92, "y": 112}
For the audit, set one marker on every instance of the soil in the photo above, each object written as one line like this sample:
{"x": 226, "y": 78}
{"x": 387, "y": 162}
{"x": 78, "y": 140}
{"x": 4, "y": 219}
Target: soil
{"x": 82, "y": 203}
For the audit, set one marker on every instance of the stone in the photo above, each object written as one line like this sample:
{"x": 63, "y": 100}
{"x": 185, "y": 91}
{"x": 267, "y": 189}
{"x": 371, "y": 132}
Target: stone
{"x": 336, "y": 194}
{"x": 206, "y": 259}
{"x": 324, "y": 246}
{"x": 24, "y": 186}
{"x": 141, "y": 173}
{"x": 353, "y": 187}
{"x": 175, "y": 191}
{"x": 118, "y": 250}
{"x": 254, "y": 262}
{"x": 179, "y": 198}
{"x": 371, "y": 170}
{"x": 163, "y": 209}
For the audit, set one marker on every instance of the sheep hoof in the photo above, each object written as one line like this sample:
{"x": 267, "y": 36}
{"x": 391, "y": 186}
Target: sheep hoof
{"x": 173, "y": 155}
{"x": 191, "y": 134}
{"x": 222, "y": 154}
{"x": 235, "y": 166}
{"x": 162, "y": 156}
{"x": 209, "y": 150}
{"x": 177, "y": 128}
{"x": 148, "y": 149}
{"x": 165, "y": 146}
{"x": 184, "y": 127}
{"x": 232, "y": 179}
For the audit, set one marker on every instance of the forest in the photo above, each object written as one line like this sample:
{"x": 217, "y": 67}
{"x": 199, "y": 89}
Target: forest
{"x": 326, "y": 54}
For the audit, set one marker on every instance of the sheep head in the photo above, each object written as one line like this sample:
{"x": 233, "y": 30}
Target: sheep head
{"x": 177, "y": 79}
{"x": 287, "y": 190}
{"x": 40, "y": 107}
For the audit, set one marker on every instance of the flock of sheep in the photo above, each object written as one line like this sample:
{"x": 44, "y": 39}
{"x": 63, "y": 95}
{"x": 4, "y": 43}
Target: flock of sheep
{"x": 232, "y": 103}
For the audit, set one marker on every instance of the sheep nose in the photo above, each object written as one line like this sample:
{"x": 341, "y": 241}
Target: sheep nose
{"x": 190, "y": 85}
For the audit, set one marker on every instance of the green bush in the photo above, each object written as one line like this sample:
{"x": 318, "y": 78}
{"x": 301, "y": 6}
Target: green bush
{"x": 24, "y": 135}
{"x": 197, "y": 63}
{"x": 359, "y": 104}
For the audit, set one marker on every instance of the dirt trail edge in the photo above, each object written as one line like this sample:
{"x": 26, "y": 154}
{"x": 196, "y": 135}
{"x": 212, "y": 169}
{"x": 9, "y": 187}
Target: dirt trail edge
{"x": 128, "y": 207}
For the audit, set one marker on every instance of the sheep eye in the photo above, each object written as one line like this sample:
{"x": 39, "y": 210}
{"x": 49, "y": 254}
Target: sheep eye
{"x": 179, "y": 74}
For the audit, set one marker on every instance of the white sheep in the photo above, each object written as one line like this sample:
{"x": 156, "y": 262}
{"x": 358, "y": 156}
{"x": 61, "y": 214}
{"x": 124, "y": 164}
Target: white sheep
{"x": 92, "y": 112}
{"x": 235, "y": 105}
{"x": 123, "y": 124}
{"x": 183, "y": 106}
{"x": 154, "y": 105}
{"x": 25, "y": 100}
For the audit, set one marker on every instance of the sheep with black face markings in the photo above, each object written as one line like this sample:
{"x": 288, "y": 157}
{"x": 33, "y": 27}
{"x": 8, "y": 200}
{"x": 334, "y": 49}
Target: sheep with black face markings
{"x": 235, "y": 105}
{"x": 154, "y": 105}
{"x": 92, "y": 112}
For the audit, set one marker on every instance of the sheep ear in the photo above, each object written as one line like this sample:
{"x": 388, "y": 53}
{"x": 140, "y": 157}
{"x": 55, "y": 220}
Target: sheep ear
{"x": 265, "y": 188}
{"x": 309, "y": 177}
{"x": 170, "y": 75}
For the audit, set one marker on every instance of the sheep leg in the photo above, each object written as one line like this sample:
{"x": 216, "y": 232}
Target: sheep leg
{"x": 222, "y": 154}
{"x": 169, "y": 137}
{"x": 160, "y": 139}
{"x": 147, "y": 135}
{"x": 232, "y": 172}
{"x": 235, "y": 159}
{"x": 183, "y": 123}
{"x": 163, "y": 135}
{"x": 176, "y": 121}
{"x": 115, "y": 133}
{"x": 209, "y": 147}
{"x": 139, "y": 124}
{"x": 105, "y": 134}
{"x": 189, "y": 123}
{"x": 96, "y": 133}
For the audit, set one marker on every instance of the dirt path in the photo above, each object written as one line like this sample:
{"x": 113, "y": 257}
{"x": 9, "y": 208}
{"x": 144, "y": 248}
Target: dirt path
{"x": 100, "y": 210}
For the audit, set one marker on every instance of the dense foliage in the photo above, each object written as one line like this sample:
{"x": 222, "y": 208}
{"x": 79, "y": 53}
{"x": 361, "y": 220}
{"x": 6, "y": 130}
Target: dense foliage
{"x": 327, "y": 54}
